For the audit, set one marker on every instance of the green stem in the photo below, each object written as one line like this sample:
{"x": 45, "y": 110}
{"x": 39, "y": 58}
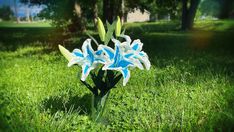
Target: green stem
{"x": 98, "y": 105}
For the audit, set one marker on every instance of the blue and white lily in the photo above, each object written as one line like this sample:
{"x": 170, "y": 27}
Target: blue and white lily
{"x": 117, "y": 60}
{"x": 134, "y": 50}
{"x": 125, "y": 55}
{"x": 88, "y": 59}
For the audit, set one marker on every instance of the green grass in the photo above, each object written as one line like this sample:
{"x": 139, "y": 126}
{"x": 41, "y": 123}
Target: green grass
{"x": 165, "y": 26}
{"x": 9, "y": 24}
{"x": 190, "y": 86}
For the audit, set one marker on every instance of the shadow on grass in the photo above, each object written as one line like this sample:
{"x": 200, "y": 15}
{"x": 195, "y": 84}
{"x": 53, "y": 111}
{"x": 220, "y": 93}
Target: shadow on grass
{"x": 82, "y": 105}
{"x": 13, "y": 38}
{"x": 222, "y": 120}
{"x": 139, "y": 28}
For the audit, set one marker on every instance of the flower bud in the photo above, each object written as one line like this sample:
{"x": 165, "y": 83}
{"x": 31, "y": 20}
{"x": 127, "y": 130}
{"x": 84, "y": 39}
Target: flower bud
{"x": 118, "y": 27}
{"x": 101, "y": 30}
{"x": 68, "y": 55}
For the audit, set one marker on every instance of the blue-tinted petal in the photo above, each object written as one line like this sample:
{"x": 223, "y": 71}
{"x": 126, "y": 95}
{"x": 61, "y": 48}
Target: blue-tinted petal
{"x": 85, "y": 45}
{"x": 85, "y": 71}
{"x": 117, "y": 55}
{"x": 137, "y": 45}
{"x": 100, "y": 60}
{"x": 128, "y": 55}
{"x": 99, "y": 52}
{"x": 77, "y": 53}
{"x": 126, "y": 75}
{"x": 109, "y": 51}
{"x": 124, "y": 63}
{"x": 141, "y": 54}
{"x": 90, "y": 55}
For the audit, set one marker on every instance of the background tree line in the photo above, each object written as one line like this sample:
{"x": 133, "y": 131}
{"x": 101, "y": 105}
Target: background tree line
{"x": 73, "y": 15}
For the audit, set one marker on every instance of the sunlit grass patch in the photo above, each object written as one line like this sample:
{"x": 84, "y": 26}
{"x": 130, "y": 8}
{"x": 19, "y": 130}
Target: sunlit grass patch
{"x": 11, "y": 24}
{"x": 187, "y": 89}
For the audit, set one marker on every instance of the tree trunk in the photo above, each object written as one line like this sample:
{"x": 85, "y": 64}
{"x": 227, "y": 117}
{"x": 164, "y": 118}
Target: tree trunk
{"x": 122, "y": 11}
{"x": 16, "y": 12}
{"x": 78, "y": 22}
{"x": 184, "y": 14}
{"x": 112, "y": 9}
{"x": 108, "y": 10}
{"x": 78, "y": 25}
{"x": 188, "y": 13}
{"x": 28, "y": 12}
{"x": 226, "y": 7}
{"x": 192, "y": 12}
{"x": 95, "y": 12}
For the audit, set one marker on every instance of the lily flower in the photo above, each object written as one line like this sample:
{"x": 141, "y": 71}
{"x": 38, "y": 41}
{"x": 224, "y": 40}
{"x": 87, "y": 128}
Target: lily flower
{"x": 117, "y": 60}
{"x": 88, "y": 59}
{"x": 134, "y": 50}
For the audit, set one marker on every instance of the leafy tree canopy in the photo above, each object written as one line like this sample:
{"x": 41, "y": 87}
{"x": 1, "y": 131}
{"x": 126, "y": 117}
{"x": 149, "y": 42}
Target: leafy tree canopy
{"x": 6, "y": 13}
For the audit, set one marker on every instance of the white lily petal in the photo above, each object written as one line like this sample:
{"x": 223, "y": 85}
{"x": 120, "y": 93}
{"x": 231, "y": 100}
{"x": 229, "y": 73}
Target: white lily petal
{"x": 138, "y": 64}
{"x": 108, "y": 51}
{"x": 146, "y": 62}
{"x": 73, "y": 61}
{"x": 137, "y": 45}
{"x": 117, "y": 42}
{"x": 85, "y": 71}
{"x": 77, "y": 53}
{"x": 126, "y": 75}
{"x": 86, "y": 44}
{"x": 127, "y": 38}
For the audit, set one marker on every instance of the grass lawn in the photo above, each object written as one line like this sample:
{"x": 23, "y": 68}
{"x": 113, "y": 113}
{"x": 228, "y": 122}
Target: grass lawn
{"x": 190, "y": 86}
{"x": 9, "y": 24}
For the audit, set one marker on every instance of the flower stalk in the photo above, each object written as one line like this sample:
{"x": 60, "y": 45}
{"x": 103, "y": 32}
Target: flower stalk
{"x": 113, "y": 64}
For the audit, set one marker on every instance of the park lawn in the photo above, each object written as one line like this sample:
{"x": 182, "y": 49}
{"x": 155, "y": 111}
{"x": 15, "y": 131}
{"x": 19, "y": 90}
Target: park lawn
{"x": 190, "y": 86}
{"x": 10, "y": 24}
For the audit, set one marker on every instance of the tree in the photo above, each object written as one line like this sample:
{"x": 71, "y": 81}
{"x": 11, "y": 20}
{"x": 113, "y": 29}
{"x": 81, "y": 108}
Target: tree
{"x": 189, "y": 9}
{"x": 107, "y": 10}
{"x": 226, "y": 7}
{"x": 67, "y": 14}
{"x": 95, "y": 11}
{"x": 16, "y": 11}
{"x": 171, "y": 7}
{"x": 6, "y": 13}
{"x": 217, "y": 8}
{"x": 28, "y": 4}
{"x": 210, "y": 7}
{"x": 111, "y": 9}
{"x": 114, "y": 8}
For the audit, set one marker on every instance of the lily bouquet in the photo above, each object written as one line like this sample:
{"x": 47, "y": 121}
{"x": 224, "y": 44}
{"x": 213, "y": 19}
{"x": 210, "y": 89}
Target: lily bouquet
{"x": 107, "y": 65}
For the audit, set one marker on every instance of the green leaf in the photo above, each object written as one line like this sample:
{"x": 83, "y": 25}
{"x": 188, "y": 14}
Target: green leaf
{"x": 108, "y": 24}
{"x": 110, "y": 31}
{"x": 88, "y": 86}
{"x": 123, "y": 32}
{"x": 116, "y": 80}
